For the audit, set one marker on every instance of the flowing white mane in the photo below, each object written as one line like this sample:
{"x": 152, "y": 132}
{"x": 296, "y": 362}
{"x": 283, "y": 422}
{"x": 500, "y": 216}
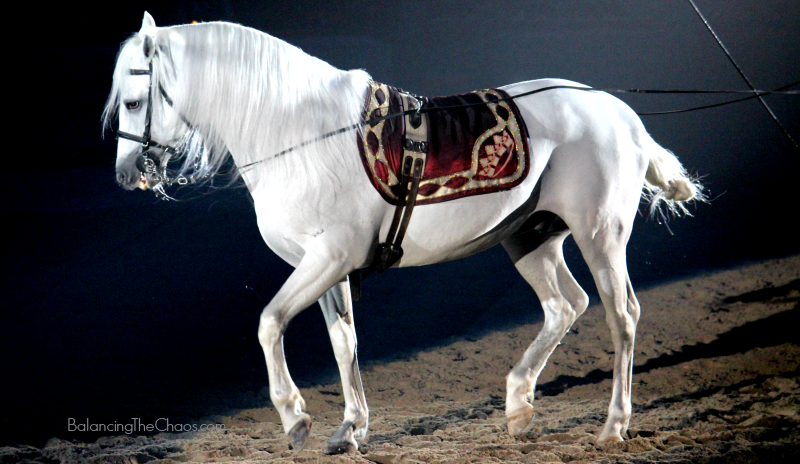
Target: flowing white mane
{"x": 247, "y": 93}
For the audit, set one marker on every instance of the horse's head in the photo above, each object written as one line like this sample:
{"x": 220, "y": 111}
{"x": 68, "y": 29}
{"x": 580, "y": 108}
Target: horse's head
{"x": 146, "y": 118}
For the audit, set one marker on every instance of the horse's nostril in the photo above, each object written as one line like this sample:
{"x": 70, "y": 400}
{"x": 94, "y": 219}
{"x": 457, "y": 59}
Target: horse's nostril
{"x": 121, "y": 179}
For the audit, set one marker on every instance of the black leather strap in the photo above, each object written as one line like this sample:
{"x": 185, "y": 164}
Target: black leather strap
{"x": 149, "y": 115}
{"x": 354, "y": 278}
{"x": 415, "y": 148}
{"x": 145, "y": 139}
{"x": 411, "y": 200}
{"x": 405, "y": 175}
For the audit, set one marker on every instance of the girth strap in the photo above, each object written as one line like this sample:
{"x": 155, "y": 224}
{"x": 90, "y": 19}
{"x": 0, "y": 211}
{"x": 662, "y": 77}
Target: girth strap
{"x": 415, "y": 150}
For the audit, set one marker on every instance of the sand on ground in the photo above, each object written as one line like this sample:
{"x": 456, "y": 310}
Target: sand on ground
{"x": 715, "y": 380}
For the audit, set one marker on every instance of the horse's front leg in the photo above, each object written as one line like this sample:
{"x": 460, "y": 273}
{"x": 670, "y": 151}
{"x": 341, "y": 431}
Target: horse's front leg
{"x": 337, "y": 307}
{"x": 319, "y": 270}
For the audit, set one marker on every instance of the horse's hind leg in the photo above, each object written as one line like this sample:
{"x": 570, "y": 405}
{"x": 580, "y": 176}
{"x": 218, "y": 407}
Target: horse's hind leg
{"x": 337, "y": 307}
{"x": 603, "y": 247}
{"x": 563, "y": 300}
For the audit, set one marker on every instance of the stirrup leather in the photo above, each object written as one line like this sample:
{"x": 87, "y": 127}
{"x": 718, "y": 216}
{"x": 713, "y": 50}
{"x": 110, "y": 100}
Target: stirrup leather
{"x": 415, "y": 150}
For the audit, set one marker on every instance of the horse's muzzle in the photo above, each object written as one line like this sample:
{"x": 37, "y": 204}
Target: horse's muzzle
{"x": 140, "y": 173}
{"x": 128, "y": 178}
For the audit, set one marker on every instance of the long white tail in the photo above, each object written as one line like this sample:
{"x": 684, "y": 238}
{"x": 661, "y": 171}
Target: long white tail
{"x": 668, "y": 182}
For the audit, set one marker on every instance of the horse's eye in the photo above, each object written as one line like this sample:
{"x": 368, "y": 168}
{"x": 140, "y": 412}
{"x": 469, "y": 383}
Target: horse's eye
{"x": 132, "y": 105}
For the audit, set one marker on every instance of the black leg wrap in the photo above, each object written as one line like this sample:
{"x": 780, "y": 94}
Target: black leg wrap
{"x": 536, "y": 230}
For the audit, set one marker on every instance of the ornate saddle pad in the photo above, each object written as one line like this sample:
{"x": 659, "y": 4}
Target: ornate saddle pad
{"x": 471, "y": 151}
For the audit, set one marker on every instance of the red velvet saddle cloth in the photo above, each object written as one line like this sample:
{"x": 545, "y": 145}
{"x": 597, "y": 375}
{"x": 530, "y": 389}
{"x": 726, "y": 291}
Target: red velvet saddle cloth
{"x": 474, "y": 150}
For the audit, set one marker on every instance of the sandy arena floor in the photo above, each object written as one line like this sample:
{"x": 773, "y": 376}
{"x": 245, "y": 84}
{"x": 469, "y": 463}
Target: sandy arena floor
{"x": 715, "y": 380}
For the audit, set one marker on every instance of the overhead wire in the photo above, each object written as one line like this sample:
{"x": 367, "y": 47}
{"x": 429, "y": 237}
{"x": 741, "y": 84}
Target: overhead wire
{"x": 741, "y": 73}
{"x": 715, "y": 105}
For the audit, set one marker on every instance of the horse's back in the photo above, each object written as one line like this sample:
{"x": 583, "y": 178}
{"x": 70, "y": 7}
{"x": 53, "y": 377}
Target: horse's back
{"x": 586, "y": 156}
{"x": 569, "y": 115}
{"x": 595, "y": 145}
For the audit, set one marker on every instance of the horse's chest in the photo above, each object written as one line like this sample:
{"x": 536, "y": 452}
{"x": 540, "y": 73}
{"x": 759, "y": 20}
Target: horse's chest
{"x": 476, "y": 149}
{"x": 284, "y": 229}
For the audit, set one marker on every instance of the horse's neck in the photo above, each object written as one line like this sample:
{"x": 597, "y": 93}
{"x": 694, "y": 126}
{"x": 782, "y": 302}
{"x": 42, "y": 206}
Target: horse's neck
{"x": 298, "y": 99}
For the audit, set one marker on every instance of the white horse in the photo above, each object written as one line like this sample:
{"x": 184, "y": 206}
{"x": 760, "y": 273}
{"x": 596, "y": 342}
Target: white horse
{"x": 250, "y": 96}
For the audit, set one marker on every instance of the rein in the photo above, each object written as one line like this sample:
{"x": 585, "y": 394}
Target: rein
{"x": 148, "y": 162}
{"x": 420, "y": 110}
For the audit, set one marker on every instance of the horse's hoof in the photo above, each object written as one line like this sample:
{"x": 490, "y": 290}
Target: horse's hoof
{"x": 343, "y": 441}
{"x": 299, "y": 433}
{"x": 518, "y": 420}
{"x": 340, "y": 447}
{"x": 608, "y": 440}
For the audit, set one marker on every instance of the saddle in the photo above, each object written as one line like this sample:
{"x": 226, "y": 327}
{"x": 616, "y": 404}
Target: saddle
{"x": 470, "y": 150}
{"x": 450, "y": 147}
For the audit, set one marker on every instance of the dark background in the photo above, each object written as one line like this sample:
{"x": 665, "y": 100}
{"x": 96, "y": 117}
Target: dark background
{"x": 115, "y": 305}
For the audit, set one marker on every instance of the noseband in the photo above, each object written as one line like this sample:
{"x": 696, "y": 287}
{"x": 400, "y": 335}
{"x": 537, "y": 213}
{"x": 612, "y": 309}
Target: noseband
{"x": 147, "y": 162}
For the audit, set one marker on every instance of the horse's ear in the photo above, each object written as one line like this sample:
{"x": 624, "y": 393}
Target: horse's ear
{"x": 148, "y": 24}
{"x": 147, "y": 32}
{"x": 149, "y": 47}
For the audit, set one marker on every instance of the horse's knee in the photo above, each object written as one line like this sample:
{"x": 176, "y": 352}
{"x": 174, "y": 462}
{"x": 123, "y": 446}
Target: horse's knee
{"x": 269, "y": 329}
{"x": 559, "y": 314}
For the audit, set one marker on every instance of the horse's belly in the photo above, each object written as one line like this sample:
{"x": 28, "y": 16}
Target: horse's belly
{"x": 446, "y": 231}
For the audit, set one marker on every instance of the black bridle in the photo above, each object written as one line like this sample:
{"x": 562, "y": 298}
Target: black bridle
{"x": 148, "y": 162}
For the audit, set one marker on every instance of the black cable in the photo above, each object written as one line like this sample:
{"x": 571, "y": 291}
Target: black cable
{"x": 374, "y": 121}
{"x": 741, "y": 73}
{"x": 695, "y": 108}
